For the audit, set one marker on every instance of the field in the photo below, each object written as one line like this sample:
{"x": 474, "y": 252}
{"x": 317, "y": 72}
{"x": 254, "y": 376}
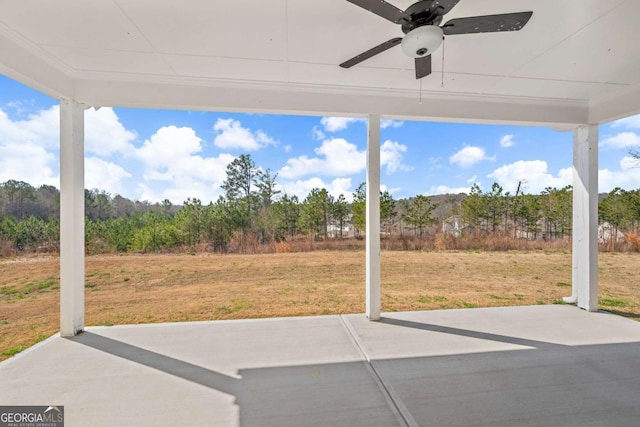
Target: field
{"x": 171, "y": 288}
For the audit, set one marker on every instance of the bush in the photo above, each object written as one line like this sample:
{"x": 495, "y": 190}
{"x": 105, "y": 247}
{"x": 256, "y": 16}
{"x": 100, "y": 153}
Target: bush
{"x": 156, "y": 237}
{"x": 633, "y": 240}
{"x": 283, "y": 247}
{"x": 242, "y": 242}
{"x": 7, "y": 249}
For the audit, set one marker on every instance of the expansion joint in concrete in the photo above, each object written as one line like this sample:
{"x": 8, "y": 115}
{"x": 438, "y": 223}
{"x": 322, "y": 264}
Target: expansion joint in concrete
{"x": 392, "y": 398}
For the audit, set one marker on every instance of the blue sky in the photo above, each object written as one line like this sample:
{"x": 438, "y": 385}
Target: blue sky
{"x": 156, "y": 154}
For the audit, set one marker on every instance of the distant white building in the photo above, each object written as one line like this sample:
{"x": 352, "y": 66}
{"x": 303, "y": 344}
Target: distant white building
{"x": 453, "y": 225}
{"x": 607, "y": 232}
{"x": 333, "y": 230}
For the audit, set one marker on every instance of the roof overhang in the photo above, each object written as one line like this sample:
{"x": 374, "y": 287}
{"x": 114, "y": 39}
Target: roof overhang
{"x": 576, "y": 61}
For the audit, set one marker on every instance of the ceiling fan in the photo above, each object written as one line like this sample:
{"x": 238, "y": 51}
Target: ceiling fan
{"x": 423, "y": 33}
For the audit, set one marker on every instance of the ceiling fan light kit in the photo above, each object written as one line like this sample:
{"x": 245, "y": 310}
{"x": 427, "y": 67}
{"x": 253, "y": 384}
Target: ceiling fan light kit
{"x": 422, "y": 41}
{"x": 423, "y": 32}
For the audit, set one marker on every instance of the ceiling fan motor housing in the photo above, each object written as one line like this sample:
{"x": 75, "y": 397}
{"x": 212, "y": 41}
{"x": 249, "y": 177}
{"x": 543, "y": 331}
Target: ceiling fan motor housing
{"x": 421, "y": 13}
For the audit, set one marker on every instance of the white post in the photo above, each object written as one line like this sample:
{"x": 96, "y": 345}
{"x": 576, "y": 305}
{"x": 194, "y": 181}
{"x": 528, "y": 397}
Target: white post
{"x": 585, "y": 218}
{"x": 71, "y": 218}
{"x": 373, "y": 219}
{"x": 577, "y": 216}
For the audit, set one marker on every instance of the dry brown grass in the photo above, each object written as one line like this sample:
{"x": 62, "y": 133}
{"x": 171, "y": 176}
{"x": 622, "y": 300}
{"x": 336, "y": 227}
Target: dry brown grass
{"x": 167, "y": 288}
{"x": 633, "y": 240}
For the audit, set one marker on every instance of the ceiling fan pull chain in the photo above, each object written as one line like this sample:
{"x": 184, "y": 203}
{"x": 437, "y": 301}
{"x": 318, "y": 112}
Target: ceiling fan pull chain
{"x": 443, "y": 40}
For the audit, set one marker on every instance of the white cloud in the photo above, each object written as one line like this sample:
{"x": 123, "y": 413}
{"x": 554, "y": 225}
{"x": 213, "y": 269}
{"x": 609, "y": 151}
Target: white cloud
{"x": 337, "y": 157}
{"x": 169, "y": 144}
{"x": 340, "y": 186}
{"x": 533, "y": 174}
{"x": 21, "y": 107}
{"x": 632, "y": 122}
{"x": 386, "y": 123}
{"x": 621, "y": 140}
{"x": 391, "y": 156}
{"x": 629, "y": 163}
{"x": 28, "y": 148}
{"x": 336, "y": 124}
{"x": 28, "y": 162}
{"x": 507, "y": 141}
{"x": 317, "y": 134}
{"x": 171, "y": 154}
{"x": 287, "y": 148}
{"x": 104, "y": 175}
{"x": 171, "y": 164}
{"x": 627, "y": 177}
{"x": 472, "y": 179}
{"x": 434, "y": 163}
{"x": 393, "y": 190}
{"x": 469, "y": 156}
{"x": 105, "y": 135}
{"x": 41, "y": 129}
{"x": 301, "y": 188}
{"x": 231, "y": 135}
{"x": 183, "y": 188}
{"x": 445, "y": 189}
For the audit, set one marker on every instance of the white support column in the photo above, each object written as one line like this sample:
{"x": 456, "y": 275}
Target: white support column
{"x": 577, "y": 215}
{"x": 373, "y": 219}
{"x": 585, "y": 218}
{"x": 71, "y": 217}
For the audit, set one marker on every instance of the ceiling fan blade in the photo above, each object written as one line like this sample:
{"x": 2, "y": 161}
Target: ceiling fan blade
{"x": 371, "y": 52}
{"x": 487, "y": 24}
{"x": 423, "y": 67}
{"x": 445, "y": 6}
{"x": 383, "y": 9}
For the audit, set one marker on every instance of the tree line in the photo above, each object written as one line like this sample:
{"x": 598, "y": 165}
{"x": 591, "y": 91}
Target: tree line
{"x": 253, "y": 211}
{"x": 548, "y": 215}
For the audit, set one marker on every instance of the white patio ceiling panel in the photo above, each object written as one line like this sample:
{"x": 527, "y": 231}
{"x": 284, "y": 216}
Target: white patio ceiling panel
{"x": 112, "y": 61}
{"x": 606, "y": 51}
{"x": 96, "y": 24}
{"x": 221, "y": 28}
{"x": 576, "y": 60}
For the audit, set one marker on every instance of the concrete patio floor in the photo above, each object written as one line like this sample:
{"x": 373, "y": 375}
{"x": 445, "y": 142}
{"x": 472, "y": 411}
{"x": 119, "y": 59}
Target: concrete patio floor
{"x": 542, "y": 365}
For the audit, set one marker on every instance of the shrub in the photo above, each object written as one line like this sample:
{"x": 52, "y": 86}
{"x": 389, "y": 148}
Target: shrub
{"x": 633, "y": 240}
{"x": 7, "y": 249}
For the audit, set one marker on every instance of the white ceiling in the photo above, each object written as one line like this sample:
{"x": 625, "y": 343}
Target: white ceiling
{"x": 576, "y": 61}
